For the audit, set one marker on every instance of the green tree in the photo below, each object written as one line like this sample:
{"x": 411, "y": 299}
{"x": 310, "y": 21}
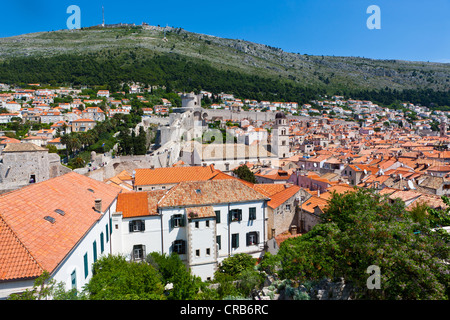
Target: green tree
{"x": 244, "y": 173}
{"x": 361, "y": 229}
{"x": 173, "y": 270}
{"x": 235, "y": 264}
{"x": 114, "y": 278}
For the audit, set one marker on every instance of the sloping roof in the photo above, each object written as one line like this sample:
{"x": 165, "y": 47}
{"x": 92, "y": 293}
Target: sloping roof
{"x": 171, "y": 175}
{"x": 139, "y": 204}
{"x": 200, "y": 212}
{"x": 338, "y": 189}
{"x": 313, "y": 202}
{"x": 23, "y": 147}
{"x": 14, "y": 257}
{"x": 278, "y": 175}
{"x": 281, "y": 197}
{"x": 46, "y": 243}
{"x": 191, "y": 193}
{"x": 132, "y": 204}
{"x": 269, "y": 189}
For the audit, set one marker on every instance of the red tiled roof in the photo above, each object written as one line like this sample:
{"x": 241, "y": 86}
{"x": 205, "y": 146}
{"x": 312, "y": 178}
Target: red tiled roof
{"x": 313, "y": 202}
{"x": 46, "y": 243}
{"x": 173, "y": 175}
{"x": 14, "y": 257}
{"x": 192, "y": 193}
{"x": 281, "y": 197}
{"x": 138, "y": 204}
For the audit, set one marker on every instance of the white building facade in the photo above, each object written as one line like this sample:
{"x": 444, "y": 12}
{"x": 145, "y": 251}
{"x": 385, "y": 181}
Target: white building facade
{"x": 202, "y": 234}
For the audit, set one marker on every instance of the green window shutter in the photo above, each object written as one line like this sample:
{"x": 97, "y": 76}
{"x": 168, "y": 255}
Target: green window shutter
{"x": 94, "y": 249}
{"x": 73, "y": 278}
{"x": 86, "y": 266}
{"x": 217, "y": 216}
{"x": 235, "y": 240}
{"x": 239, "y": 214}
{"x": 252, "y": 214}
{"x": 107, "y": 233}
{"x": 110, "y": 225}
{"x": 183, "y": 221}
{"x": 183, "y": 247}
{"x": 102, "y": 245}
{"x": 130, "y": 226}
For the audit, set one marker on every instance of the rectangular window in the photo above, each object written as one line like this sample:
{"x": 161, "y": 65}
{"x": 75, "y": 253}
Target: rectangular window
{"x": 107, "y": 233}
{"x": 252, "y": 238}
{"x": 207, "y": 223}
{"x": 235, "y": 215}
{"x": 94, "y": 249}
{"x": 217, "y": 216}
{"x": 138, "y": 252}
{"x": 177, "y": 221}
{"x": 102, "y": 245}
{"x": 252, "y": 214}
{"x": 86, "y": 266}
{"x": 235, "y": 240}
{"x": 288, "y": 207}
{"x": 179, "y": 246}
{"x": 136, "y": 225}
{"x": 197, "y": 252}
{"x": 208, "y": 251}
{"x": 196, "y": 224}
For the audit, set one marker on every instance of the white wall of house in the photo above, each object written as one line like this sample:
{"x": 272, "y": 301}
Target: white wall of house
{"x": 203, "y": 263}
{"x": 74, "y": 263}
{"x": 124, "y": 240}
{"x": 72, "y": 270}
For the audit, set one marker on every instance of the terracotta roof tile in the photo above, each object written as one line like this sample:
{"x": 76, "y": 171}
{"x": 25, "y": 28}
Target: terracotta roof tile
{"x": 15, "y": 260}
{"x": 281, "y": 197}
{"x": 200, "y": 212}
{"x": 47, "y": 243}
{"x": 192, "y": 193}
{"x": 173, "y": 175}
{"x": 313, "y": 202}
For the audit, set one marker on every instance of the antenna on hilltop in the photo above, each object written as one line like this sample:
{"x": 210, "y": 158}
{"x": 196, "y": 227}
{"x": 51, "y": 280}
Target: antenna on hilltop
{"x": 165, "y": 39}
{"x": 103, "y": 16}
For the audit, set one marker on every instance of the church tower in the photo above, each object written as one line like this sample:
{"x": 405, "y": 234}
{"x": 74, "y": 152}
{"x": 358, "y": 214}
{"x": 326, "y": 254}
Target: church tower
{"x": 443, "y": 127}
{"x": 280, "y": 136}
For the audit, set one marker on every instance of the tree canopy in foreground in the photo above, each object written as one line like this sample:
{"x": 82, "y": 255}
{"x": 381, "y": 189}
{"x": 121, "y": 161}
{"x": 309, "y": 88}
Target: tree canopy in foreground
{"x": 362, "y": 229}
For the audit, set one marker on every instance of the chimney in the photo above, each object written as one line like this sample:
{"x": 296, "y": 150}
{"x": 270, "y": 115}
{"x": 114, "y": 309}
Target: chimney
{"x": 293, "y": 229}
{"x": 98, "y": 205}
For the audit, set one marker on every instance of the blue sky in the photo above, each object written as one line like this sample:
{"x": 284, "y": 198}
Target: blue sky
{"x": 415, "y": 30}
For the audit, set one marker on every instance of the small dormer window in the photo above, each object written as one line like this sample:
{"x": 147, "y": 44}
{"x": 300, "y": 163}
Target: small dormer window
{"x": 59, "y": 211}
{"x": 198, "y": 191}
{"x": 50, "y": 219}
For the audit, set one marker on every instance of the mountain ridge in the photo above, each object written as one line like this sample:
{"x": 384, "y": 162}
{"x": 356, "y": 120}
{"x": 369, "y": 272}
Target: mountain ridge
{"x": 233, "y": 55}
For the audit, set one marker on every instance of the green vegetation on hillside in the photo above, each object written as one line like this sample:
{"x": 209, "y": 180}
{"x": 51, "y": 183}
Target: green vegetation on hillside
{"x": 110, "y": 68}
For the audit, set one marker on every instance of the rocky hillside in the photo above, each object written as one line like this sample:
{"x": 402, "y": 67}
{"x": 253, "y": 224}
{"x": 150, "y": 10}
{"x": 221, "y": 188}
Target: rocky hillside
{"x": 236, "y": 55}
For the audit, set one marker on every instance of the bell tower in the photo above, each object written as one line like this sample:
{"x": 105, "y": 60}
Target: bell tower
{"x": 280, "y": 136}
